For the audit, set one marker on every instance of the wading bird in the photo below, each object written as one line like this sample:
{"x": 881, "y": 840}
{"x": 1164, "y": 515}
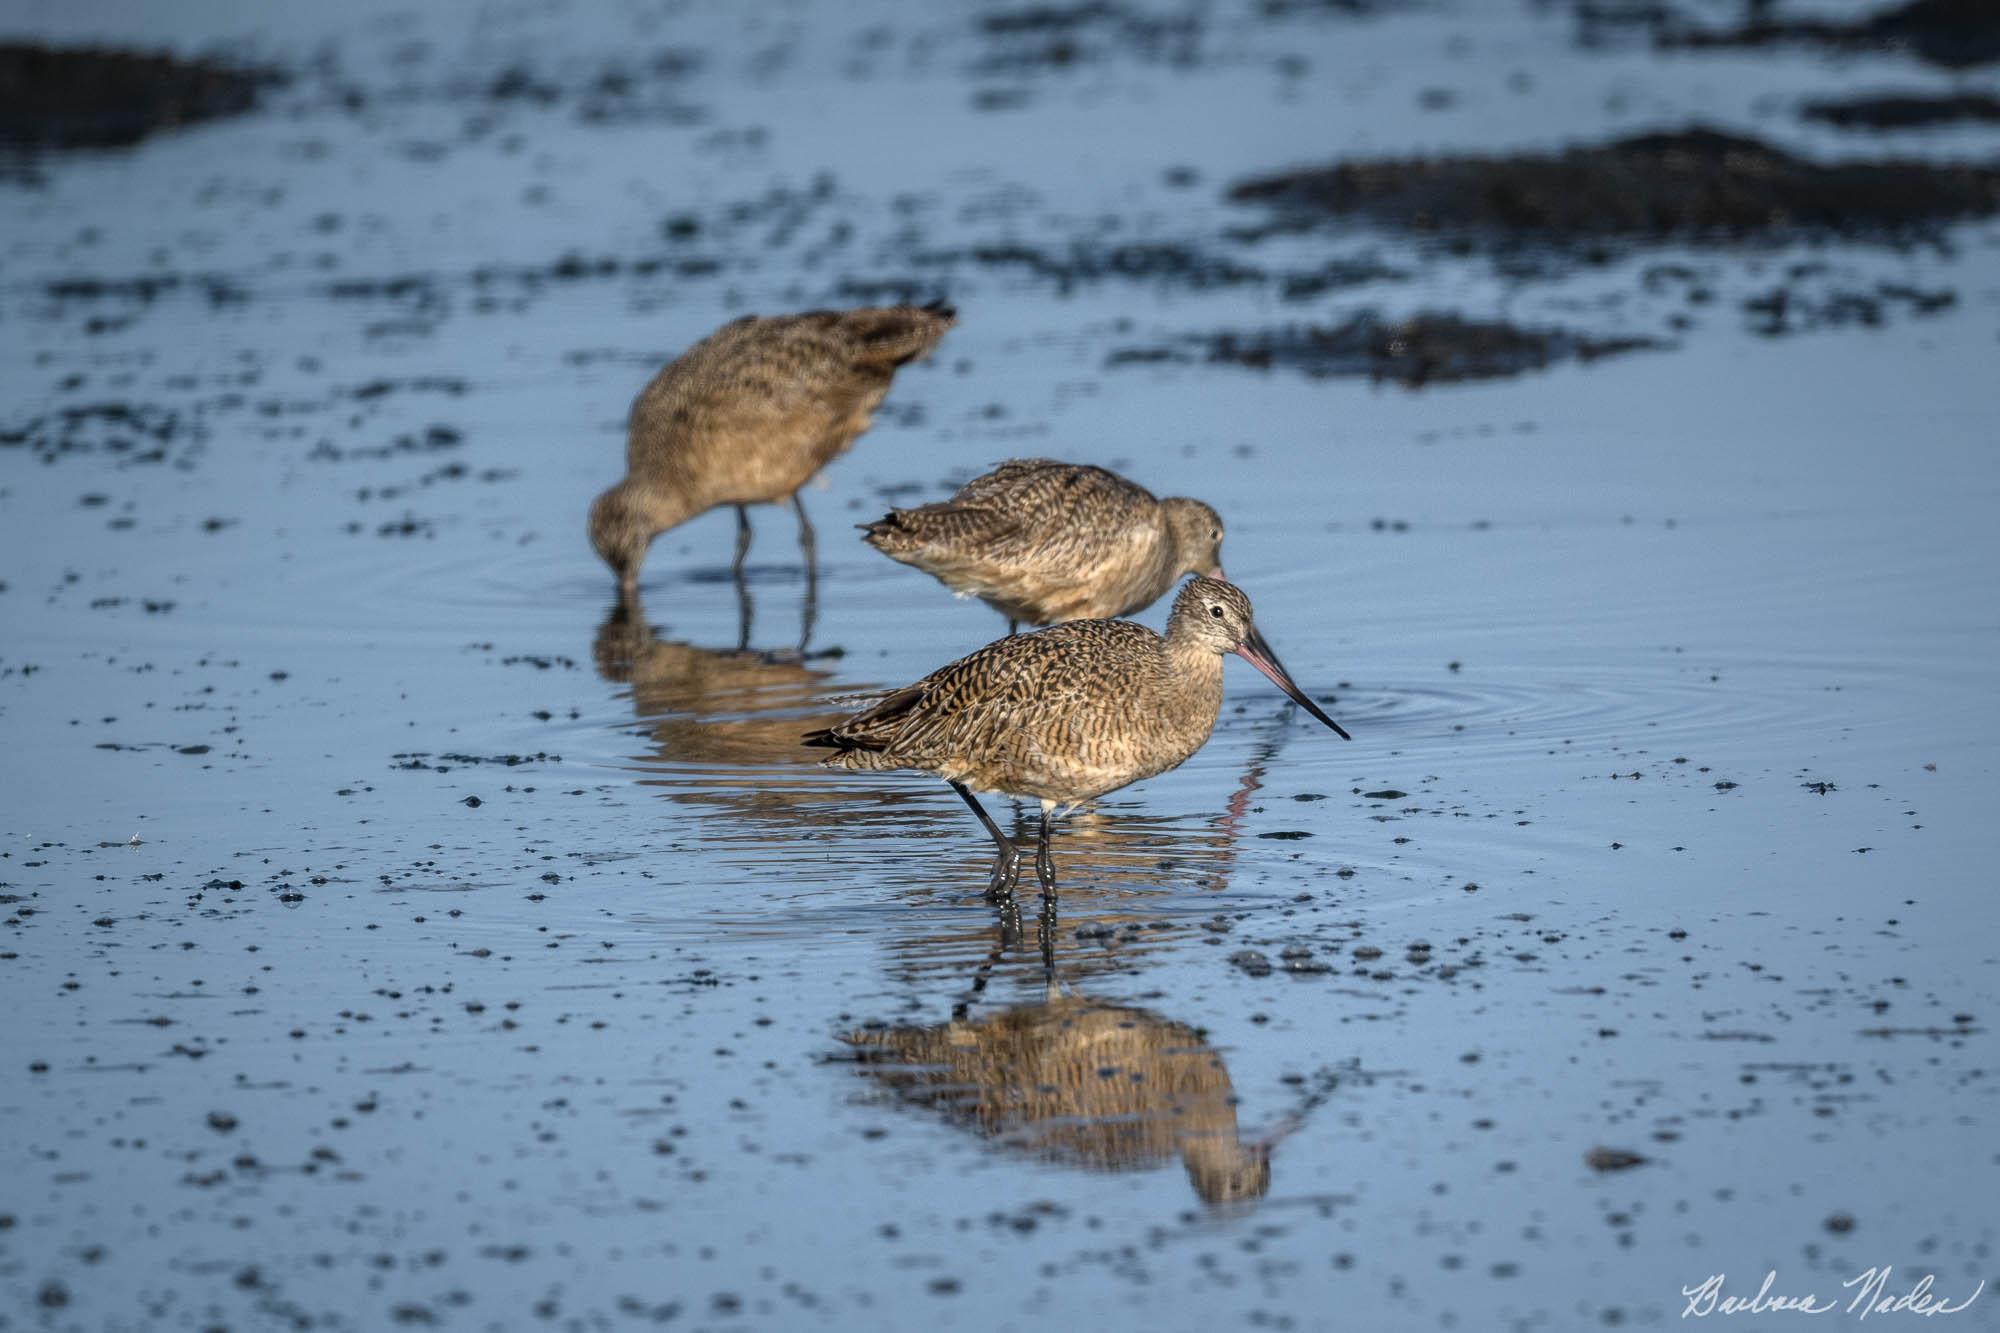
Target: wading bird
{"x": 1041, "y": 542}
{"x": 747, "y": 416}
{"x": 1065, "y": 714}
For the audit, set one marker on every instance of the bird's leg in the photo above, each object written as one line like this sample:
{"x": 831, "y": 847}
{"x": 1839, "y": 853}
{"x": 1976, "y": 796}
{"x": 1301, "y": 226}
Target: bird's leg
{"x": 1010, "y": 921}
{"x": 1045, "y": 868}
{"x": 808, "y": 542}
{"x": 1011, "y": 626}
{"x": 809, "y": 547}
{"x": 742, "y": 539}
{"x": 1045, "y": 871}
{"x": 1007, "y": 865}
{"x": 744, "y": 610}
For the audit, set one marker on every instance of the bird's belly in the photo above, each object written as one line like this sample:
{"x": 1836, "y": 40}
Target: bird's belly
{"x": 1070, "y": 770}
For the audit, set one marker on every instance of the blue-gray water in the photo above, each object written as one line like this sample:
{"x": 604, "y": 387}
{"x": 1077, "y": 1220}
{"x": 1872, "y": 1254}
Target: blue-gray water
{"x": 1679, "y": 664}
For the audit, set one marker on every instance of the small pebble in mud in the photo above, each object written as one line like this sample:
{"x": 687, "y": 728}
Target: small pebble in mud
{"x": 1252, "y": 962}
{"x": 1612, "y": 1159}
{"x": 221, "y": 1121}
{"x": 474, "y": 802}
{"x": 1840, "y": 1223}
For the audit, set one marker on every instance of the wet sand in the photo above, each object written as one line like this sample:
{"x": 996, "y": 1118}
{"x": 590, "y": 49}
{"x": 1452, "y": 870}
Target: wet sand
{"x": 397, "y": 934}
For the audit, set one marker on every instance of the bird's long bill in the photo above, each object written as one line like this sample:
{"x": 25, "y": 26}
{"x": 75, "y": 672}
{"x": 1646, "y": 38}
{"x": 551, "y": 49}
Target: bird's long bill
{"x": 1258, "y": 654}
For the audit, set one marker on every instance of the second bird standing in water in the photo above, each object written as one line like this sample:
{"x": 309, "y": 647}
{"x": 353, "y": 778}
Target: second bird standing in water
{"x": 1066, "y": 714}
{"x": 1041, "y": 541}
{"x": 747, "y": 416}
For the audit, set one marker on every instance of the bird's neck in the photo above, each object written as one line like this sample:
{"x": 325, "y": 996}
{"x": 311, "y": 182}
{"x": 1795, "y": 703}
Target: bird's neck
{"x": 666, "y": 503}
{"x": 1194, "y": 671}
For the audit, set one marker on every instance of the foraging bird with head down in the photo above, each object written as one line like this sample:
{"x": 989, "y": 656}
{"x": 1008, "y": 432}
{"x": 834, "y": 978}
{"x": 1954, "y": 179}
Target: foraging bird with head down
{"x": 1041, "y": 541}
{"x": 748, "y": 415}
{"x": 1065, "y": 714}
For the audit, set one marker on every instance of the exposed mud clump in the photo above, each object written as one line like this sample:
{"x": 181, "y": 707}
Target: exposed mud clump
{"x": 1803, "y": 306}
{"x": 133, "y": 432}
{"x": 1695, "y": 184}
{"x": 1956, "y": 34}
{"x": 1914, "y": 112}
{"x": 1423, "y": 349}
{"x": 1034, "y": 38}
{"x": 88, "y": 97}
{"x": 1166, "y": 262}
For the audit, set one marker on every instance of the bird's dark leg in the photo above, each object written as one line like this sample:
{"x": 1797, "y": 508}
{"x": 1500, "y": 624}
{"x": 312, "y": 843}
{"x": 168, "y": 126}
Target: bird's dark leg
{"x": 744, "y": 610}
{"x": 1011, "y": 626}
{"x": 809, "y": 548}
{"x": 736, "y": 576}
{"x": 1045, "y": 871}
{"x": 742, "y": 538}
{"x": 1007, "y": 865}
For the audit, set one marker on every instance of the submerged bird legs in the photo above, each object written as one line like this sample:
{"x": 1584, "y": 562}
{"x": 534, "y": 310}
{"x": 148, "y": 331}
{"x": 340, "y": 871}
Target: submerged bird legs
{"x": 1007, "y": 871}
{"x": 809, "y": 553}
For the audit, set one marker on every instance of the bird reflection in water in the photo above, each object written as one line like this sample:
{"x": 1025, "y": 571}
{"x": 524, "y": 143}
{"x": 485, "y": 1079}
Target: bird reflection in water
{"x": 723, "y": 726}
{"x": 1083, "y": 1083}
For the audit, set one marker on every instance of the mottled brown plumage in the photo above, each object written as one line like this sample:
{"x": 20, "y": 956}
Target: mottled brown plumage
{"x": 1041, "y": 541}
{"x": 1082, "y": 1083}
{"x": 748, "y": 415}
{"x": 1065, "y": 714}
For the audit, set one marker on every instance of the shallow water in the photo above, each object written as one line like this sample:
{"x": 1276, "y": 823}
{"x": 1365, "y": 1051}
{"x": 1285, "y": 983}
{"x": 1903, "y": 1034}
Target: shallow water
{"x": 1678, "y": 666}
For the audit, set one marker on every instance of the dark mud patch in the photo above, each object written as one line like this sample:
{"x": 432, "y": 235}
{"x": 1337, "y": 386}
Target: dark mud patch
{"x": 1909, "y": 112}
{"x": 1804, "y": 304}
{"x": 1181, "y": 265}
{"x": 1038, "y": 38}
{"x": 1689, "y": 185}
{"x": 133, "y": 432}
{"x": 1423, "y": 349}
{"x": 1954, "y": 34}
{"x": 54, "y": 98}
{"x": 1166, "y": 262}
{"x": 634, "y": 91}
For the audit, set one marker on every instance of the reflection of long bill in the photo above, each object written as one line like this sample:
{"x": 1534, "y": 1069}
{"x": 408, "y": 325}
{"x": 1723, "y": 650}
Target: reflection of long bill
{"x": 1258, "y": 654}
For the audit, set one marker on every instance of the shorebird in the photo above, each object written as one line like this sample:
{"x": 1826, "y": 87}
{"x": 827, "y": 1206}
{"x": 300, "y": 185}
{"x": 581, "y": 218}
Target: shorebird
{"x": 747, "y": 416}
{"x": 1065, "y": 714}
{"x": 1041, "y": 541}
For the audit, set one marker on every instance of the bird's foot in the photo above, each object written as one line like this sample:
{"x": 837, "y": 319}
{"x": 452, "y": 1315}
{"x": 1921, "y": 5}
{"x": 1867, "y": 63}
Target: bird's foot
{"x": 1006, "y": 874}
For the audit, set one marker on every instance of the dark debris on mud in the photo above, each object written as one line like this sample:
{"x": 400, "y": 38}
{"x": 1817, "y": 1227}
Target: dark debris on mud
{"x": 92, "y": 97}
{"x": 133, "y": 432}
{"x": 1176, "y": 264}
{"x": 1041, "y": 37}
{"x": 1803, "y": 304}
{"x": 1909, "y": 111}
{"x": 1696, "y": 184}
{"x": 1953, "y": 34}
{"x": 1426, "y": 348}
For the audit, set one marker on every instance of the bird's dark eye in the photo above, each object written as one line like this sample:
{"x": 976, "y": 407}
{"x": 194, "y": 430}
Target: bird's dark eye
{"x": 1216, "y": 535}
{"x": 1215, "y": 611}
